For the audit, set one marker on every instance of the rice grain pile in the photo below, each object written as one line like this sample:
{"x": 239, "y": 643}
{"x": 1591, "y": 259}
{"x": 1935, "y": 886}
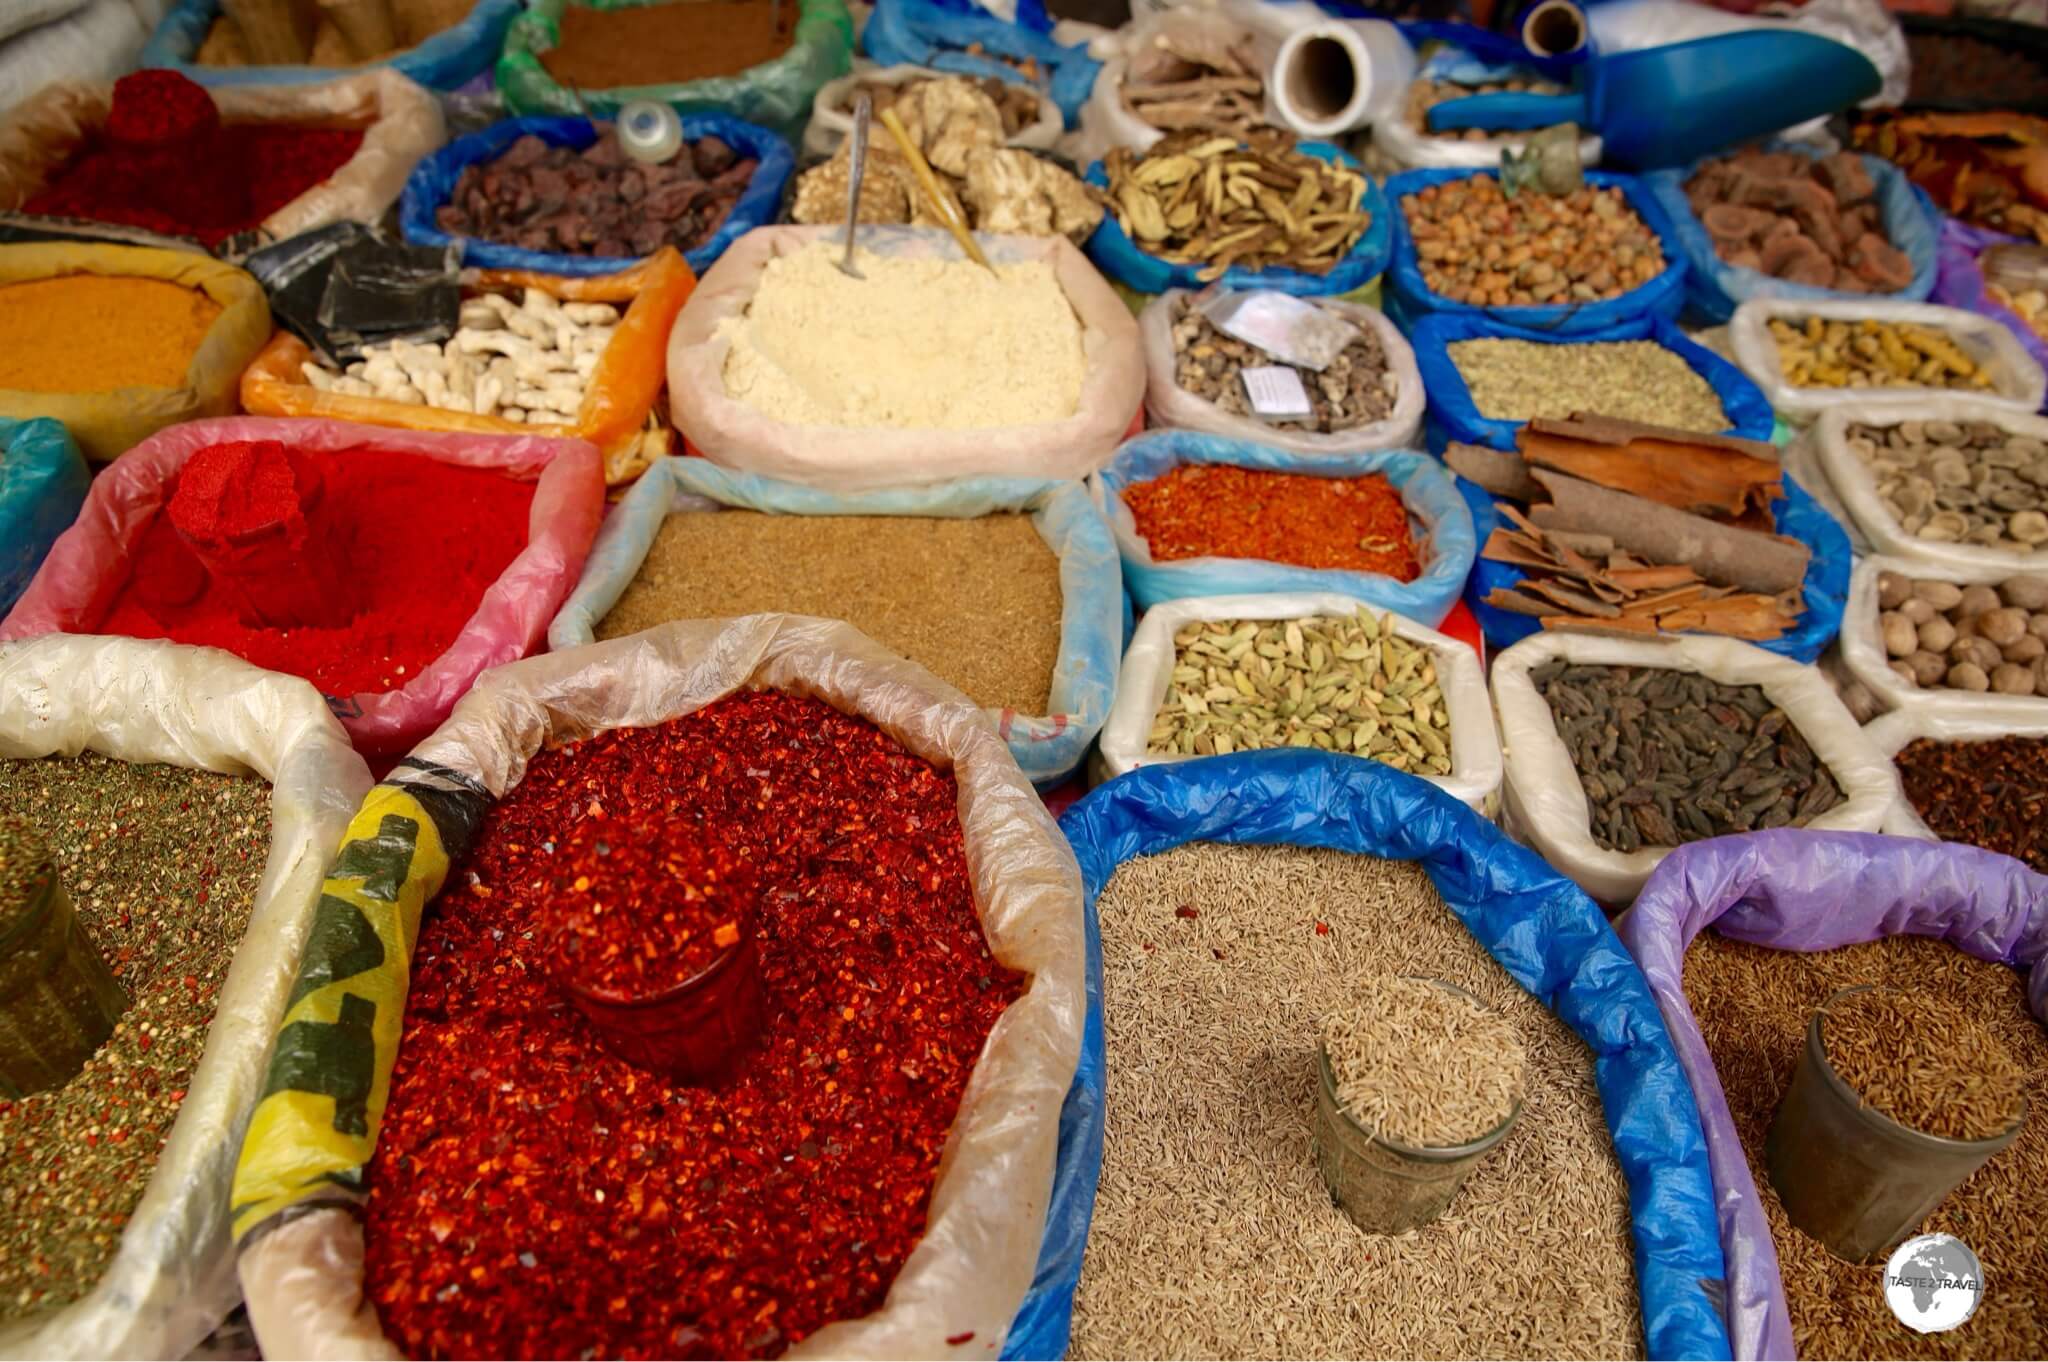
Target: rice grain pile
{"x": 1214, "y": 1235}
{"x": 1752, "y": 1004}
{"x": 1924, "y": 1062}
{"x": 1422, "y": 1066}
{"x": 977, "y": 601}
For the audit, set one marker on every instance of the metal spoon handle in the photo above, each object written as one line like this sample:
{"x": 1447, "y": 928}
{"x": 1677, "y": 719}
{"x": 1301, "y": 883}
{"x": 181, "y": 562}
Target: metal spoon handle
{"x": 856, "y": 167}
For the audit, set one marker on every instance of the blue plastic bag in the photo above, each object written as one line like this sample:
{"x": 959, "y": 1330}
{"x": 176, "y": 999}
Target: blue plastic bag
{"x": 1713, "y": 288}
{"x": 1542, "y": 928}
{"x": 43, "y": 480}
{"x": 924, "y": 33}
{"x": 1423, "y": 482}
{"x": 1409, "y": 298}
{"x": 1825, "y": 592}
{"x": 1048, "y": 747}
{"x": 452, "y": 57}
{"x": 1117, "y": 256}
{"x": 433, "y": 180}
{"x": 1810, "y": 891}
{"x": 1453, "y": 416}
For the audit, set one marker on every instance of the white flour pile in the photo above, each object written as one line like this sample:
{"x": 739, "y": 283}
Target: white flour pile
{"x": 920, "y": 344}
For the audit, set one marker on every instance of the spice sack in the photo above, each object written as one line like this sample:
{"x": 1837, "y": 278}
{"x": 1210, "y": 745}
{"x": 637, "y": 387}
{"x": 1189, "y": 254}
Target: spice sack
{"x": 897, "y": 363}
{"x": 43, "y": 481}
{"x": 446, "y": 60}
{"x": 171, "y": 1280}
{"x": 301, "y": 1182}
{"x": 1049, "y": 746}
{"x": 107, "y": 423}
{"x": 90, "y": 568}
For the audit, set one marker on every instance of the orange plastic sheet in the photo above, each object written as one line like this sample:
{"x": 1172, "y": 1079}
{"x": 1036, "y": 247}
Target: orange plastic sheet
{"x": 622, "y": 393}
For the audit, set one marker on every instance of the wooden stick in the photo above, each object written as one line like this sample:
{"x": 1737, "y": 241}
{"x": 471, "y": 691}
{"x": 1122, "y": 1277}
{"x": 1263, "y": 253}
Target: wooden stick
{"x": 931, "y": 189}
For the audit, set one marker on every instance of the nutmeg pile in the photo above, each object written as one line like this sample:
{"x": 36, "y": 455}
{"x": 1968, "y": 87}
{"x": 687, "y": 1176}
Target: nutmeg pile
{"x": 1986, "y": 636}
{"x": 1802, "y": 219}
{"x": 1476, "y": 245}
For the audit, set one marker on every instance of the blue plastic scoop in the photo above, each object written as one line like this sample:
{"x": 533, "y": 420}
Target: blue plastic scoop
{"x": 1668, "y": 106}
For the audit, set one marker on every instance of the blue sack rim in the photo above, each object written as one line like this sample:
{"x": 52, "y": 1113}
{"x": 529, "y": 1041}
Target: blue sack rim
{"x": 451, "y": 58}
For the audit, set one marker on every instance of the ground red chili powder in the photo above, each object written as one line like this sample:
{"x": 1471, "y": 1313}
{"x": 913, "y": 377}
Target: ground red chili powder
{"x": 533, "y": 1196}
{"x": 424, "y": 541}
{"x": 642, "y": 907}
{"x": 1221, "y": 511}
{"x": 160, "y": 166}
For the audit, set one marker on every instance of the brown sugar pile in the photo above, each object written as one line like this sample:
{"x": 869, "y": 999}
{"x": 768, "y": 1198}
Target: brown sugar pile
{"x": 603, "y": 49}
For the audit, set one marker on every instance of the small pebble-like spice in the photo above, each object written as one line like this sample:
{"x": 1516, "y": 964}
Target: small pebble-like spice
{"x": 1668, "y": 757}
{"x": 1992, "y": 794}
{"x": 1984, "y": 636}
{"x": 977, "y": 601}
{"x": 1417, "y": 1064}
{"x": 1355, "y": 389}
{"x": 643, "y": 907}
{"x": 1425, "y": 94}
{"x": 161, "y": 865}
{"x": 535, "y": 1196}
{"x": 1518, "y": 380}
{"x": 1476, "y": 245}
{"x": 1959, "y": 482}
{"x": 1816, "y": 353}
{"x": 1753, "y": 1005}
{"x": 1342, "y": 684}
{"x": 1222, "y": 511}
{"x": 1924, "y": 1062}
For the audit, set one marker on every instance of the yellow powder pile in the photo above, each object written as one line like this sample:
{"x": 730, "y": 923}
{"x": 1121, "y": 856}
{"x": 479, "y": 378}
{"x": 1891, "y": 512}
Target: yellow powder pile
{"x": 919, "y": 344}
{"x": 97, "y": 333}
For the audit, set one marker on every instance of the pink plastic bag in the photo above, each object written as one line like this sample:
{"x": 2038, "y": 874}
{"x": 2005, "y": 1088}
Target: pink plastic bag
{"x": 86, "y": 569}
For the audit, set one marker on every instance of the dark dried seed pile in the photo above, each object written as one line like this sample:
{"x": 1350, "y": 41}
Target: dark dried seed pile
{"x": 1990, "y": 794}
{"x": 1924, "y": 1062}
{"x": 1668, "y": 757}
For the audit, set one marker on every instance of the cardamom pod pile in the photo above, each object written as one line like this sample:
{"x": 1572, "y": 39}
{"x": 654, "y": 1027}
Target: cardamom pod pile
{"x": 1339, "y": 683}
{"x": 1200, "y": 199}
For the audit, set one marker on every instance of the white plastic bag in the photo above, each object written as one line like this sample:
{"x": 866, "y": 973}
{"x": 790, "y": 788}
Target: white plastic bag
{"x": 975, "y": 1260}
{"x": 99, "y": 41}
{"x": 832, "y": 113}
{"x": 1548, "y": 805}
{"x": 1148, "y": 668}
{"x": 22, "y": 15}
{"x": 1891, "y": 733}
{"x": 844, "y": 459}
{"x": 1169, "y": 404}
{"x": 2018, "y": 383}
{"x": 172, "y": 1280}
{"x": 1870, "y": 518}
{"x": 1863, "y": 652}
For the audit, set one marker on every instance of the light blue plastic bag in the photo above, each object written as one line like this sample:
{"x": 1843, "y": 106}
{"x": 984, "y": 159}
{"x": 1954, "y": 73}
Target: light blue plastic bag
{"x": 433, "y": 180}
{"x": 1048, "y": 747}
{"x": 1117, "y": 256}
{"x": 1409, "y": 298}
{"x": 1445, "y": 536}
{"x": 1713, "y": 288}
{"x": 1453, "y": 415}
{"x": 452, "y": 57}
{"x": 937, "y": 35}
{"x": 43, "y": 480}
{"x": 1541, "y": 927}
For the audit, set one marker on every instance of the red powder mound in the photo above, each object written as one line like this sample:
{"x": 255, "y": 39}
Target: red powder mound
{"x": 424, "y": 541}
{"x": 230, "y": 490}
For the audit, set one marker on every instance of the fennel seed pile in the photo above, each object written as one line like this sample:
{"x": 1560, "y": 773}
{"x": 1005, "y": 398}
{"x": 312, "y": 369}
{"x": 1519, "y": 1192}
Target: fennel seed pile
{"x": 1421, "y": 1066}
{"x": 1752, "y": 1004}
{"x": 1214, "y": 1235}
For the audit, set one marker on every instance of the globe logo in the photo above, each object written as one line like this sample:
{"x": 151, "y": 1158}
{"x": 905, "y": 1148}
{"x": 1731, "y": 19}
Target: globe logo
{"x": 1933, "y": 1282}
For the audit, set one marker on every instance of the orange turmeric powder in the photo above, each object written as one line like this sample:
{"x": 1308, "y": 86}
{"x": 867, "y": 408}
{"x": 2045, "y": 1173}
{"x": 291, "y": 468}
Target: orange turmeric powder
{"x": 98, "y": 333}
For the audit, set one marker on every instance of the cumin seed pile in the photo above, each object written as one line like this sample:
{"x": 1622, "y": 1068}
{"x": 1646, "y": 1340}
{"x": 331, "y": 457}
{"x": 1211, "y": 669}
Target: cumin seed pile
{"x": 977, "y": 601}
{"x": 1421, "y": 1066}
{"x": 1924, "y": 1062}
{"x": 1752, "y": 1004}
{"x": 1214, "y": 1234}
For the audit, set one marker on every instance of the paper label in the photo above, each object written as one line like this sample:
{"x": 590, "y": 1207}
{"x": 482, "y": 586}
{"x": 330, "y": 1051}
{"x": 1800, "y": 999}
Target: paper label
{"x": 1276, "y": 393}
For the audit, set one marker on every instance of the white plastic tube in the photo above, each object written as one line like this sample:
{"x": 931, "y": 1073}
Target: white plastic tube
{"x": 1328, "y": 79}
{"x": 1554, "y": 28}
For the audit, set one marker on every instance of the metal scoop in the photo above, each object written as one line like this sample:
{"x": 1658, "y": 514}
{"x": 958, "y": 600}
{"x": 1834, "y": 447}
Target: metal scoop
{"x": 856, "y": 166}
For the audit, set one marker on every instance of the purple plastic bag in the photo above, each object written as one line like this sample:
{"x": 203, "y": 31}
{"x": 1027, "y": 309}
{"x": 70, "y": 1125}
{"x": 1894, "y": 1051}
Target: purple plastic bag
{"x": 1812, "y": 891}
{"x": 1958, "y": 282}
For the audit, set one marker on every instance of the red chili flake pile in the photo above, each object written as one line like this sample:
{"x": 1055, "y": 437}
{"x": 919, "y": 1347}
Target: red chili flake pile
{"x": 642, "y": 907}
{"x": 425, "y": 540}
{"x": 1221, "y": 511}
{"x": 533, "y": 1196}
{"x": 165, "y": 163}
